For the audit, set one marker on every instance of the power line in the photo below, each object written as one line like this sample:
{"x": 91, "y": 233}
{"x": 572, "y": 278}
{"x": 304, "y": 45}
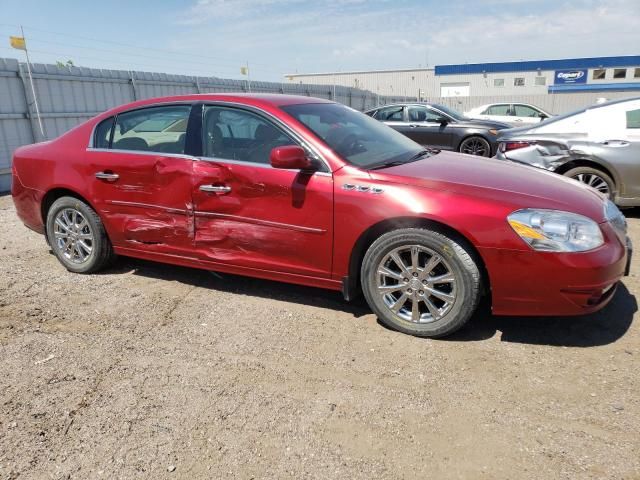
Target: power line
{"x": 128, "y": 45}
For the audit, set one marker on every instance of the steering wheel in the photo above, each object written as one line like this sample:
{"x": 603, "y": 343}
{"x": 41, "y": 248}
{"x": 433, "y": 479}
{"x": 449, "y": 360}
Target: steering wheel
{"x": 351, "y": 144}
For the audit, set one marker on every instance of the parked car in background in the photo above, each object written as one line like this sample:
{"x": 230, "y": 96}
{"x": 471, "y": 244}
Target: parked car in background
{"x": 311, "y": 192}
{"x": 511, "y": 113}
{"x": 599, "y": 146}
{"x": 440, "y": 127}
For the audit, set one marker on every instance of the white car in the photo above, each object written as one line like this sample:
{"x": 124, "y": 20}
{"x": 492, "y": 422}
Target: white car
{"x": 513, "y": 113}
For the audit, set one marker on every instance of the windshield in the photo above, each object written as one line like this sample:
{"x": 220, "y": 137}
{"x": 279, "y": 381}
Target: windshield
{"x": 450, "y": 111}
{"x": 354, "y": 136}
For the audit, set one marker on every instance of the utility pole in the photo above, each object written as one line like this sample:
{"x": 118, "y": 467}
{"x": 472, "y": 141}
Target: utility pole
{"x": 33, "y": 89}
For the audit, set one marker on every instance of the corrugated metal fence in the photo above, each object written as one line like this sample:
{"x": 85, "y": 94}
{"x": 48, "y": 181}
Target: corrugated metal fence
{"x": 70, "y": 95}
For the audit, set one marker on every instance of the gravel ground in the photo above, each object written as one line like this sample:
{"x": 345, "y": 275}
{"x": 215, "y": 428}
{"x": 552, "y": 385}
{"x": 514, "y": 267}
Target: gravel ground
{"x": 154, "y": 371}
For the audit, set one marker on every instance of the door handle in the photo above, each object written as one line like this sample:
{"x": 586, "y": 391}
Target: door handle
{"x": 110, "y": 177}
{"x": 215, "y": 188}
{"x": 413, "y": 125}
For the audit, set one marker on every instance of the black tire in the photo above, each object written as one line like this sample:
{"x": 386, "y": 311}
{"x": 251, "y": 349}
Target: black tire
{"x": 465, "y": 289}
{"x": 101, "y": 254}
{"x": 475, "y": 145}
{"x": 594, "y": 178}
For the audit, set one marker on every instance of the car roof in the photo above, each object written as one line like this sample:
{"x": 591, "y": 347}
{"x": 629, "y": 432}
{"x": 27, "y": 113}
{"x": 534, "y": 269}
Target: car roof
{"x": 251, "y": 99}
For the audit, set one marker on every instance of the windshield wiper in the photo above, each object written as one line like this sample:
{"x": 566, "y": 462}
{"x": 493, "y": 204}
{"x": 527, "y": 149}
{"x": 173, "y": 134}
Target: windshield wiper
{"x": 395, "y": 163}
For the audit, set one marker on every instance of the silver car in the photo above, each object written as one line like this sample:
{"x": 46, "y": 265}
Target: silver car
{"x": 599, "y": 146}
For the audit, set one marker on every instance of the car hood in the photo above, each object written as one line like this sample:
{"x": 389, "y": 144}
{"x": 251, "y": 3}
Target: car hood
{"x": 515, "y": 185}
{"x": 471, "y": 122}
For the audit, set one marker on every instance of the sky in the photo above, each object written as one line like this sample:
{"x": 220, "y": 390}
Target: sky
{"x": 275, "y": 37}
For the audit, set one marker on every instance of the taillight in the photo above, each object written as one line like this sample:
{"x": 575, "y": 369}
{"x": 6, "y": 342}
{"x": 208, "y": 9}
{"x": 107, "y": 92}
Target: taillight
{"x": 508, "y": 146}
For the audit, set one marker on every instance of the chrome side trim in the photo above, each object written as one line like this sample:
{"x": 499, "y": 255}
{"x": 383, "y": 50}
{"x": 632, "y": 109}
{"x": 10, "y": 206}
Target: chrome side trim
{"x": 257, "y": 221}
{"x": 257, "y": 165}
{"x": 147, "y": 205}
{"x": 144, "y": 152}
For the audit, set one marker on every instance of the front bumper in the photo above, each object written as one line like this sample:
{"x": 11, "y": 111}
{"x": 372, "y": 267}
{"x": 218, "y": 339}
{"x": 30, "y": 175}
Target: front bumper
{"x": 530, "y": 283}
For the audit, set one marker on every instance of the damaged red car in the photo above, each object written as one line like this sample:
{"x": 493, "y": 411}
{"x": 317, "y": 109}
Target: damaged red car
{"x": 311, "y": 192}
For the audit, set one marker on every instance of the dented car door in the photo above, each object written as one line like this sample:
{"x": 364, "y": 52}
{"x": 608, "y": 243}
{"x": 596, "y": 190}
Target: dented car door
{"x": 140, "y": 180}
{"x": 252, "y": 215}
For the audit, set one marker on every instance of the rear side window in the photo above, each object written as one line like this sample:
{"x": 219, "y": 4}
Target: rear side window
{"x": 153, "y": 129}
{"x": 633, "y": 119}
{"x": 102, "y": 135}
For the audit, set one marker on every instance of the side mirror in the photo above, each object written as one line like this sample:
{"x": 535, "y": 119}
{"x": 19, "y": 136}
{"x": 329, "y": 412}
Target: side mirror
{"x": 440, "y": 120}
{"x": 542, "y": 116}
{"x": 290, "y": 157}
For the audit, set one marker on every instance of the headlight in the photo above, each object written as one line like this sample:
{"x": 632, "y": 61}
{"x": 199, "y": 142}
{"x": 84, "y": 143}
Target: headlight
{"x": 615, "y": 217}
{"x": 556, "y": 231}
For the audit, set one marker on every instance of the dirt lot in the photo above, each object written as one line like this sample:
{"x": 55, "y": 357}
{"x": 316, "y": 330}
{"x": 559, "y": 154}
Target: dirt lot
{"x": 153, "y": 371}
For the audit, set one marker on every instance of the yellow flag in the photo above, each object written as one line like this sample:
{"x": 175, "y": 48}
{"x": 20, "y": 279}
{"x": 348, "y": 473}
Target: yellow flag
{"x": 18, "y": 42}
{"x": 244, "y": 70}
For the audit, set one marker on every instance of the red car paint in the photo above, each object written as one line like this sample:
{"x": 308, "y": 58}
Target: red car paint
{"x": 305, "y": 228}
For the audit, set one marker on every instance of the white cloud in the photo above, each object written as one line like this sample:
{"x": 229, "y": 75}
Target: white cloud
{"x": 359, "y": 34}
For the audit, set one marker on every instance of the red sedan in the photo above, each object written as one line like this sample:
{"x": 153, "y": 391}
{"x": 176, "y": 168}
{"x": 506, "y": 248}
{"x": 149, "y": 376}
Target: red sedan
{"x": 311, "y": 192}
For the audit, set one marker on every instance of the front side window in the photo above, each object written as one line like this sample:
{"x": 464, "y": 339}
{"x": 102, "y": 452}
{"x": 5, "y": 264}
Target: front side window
{"x": 525, "y": 111}
{"x": 153, "y": 129}
{"x": 502, "y": 110}
{"x": 234, "y": 134}
{"x": 423, "y": 114}
{"x": 390, "y": 114}
{"x": 357, "y": 138}
{"x": 633, "y": 118}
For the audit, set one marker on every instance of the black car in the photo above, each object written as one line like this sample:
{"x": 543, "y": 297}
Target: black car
{"x": 441, "y": 127}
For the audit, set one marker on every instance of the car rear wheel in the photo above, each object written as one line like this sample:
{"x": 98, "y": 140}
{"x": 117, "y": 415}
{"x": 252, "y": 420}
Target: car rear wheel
{"x": 594, "y": 178}
{"x": 475, "y": 146}
{"x": 77, "y": 236}
{"x": 420, "y": 282}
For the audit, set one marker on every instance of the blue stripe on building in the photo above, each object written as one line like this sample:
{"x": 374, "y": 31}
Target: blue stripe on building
{"x": 533, "y": 65}
{"x": 593, "y": 87}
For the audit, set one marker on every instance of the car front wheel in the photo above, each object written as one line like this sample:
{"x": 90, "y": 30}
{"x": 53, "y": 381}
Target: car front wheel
{"x": 475, "y": 146}
{"x": 420, "y": 282}
{"x": 77, "y": 236}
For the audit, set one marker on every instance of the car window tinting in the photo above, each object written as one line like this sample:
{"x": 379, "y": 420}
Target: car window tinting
{"x": 102, "y": 134}
{"x": 357, "y": 138}
{"x": 423, "y": 114}
{"x": 153, "y": 129}
{"x": 525, "y": 111}
{"x": 633, "y": 119}
{"x": 234, "y": 134}
{"x": 498, "y": 110}
{"x": 390, "y": 114}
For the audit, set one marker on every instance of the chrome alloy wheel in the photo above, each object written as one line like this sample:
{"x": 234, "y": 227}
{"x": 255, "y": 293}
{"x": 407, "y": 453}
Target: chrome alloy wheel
{"x": 416, "y": 284}
{"x": 594, "y": 181}
{"x": 73, "y": 236}
{"x": 475, "y": 146}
